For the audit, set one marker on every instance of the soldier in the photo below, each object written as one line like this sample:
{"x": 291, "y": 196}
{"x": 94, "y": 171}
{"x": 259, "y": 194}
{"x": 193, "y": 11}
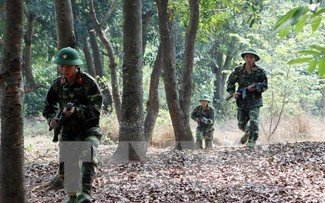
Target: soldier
{"x": 82, "y": 124}
{"x": 203, "y": 114}
{"x": 252, "y": 82}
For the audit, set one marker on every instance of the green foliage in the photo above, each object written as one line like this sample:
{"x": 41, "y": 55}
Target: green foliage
{"x": 44, "y": 74}
{"x": 297, "y": 17}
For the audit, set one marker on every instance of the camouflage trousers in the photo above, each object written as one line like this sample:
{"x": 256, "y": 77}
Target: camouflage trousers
{"x": 207, "y": 135}
{"x": 78, "y": 152}
{"x": 248, "y": 122}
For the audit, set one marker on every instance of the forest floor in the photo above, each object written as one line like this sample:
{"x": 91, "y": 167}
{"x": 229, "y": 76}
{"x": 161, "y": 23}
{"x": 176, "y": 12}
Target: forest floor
{"x": 279, "y": 172}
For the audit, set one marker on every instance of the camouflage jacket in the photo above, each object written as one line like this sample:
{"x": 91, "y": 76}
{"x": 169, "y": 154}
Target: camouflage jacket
{"x": 86, "y": 96}
{"x": 205, "y": 117}
{"x": 256, "y": 77}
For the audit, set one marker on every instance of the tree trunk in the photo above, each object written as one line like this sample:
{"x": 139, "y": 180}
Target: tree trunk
{"x": 12, "y": 177}
{"x": 222, "y": 63}
{"x": 153, "y": 100}
{"x": 323, "y": 102}
{"x": 131, "y": 146}
{"x": 112, "y": 62}
{"x": 186, "y": 84}
{"x": 30, "y": 84}
{"x": 89, "y": 58}
{"x": 183, "y": 136}
{"x": 65, "y": 27}
{"x": 97, "y": 56}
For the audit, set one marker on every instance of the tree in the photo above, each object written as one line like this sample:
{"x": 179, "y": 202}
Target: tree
{"x": 65, "y": 27}
{"x": 98, "y": 26}
{"x": 131, "y": 146}
{"x": 12, "y": 175}
{"x": 315, "y": 55}
{"x": 30, "y": 84}
{"x": 178, "y": 103}
{"x": 297, "y": 18}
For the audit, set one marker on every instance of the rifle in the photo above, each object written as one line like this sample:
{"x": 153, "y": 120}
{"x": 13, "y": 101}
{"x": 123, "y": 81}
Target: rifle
{"x": 203, "y": 120}
{"x": 61, "y": 118}
{"x": 242, "y": 92}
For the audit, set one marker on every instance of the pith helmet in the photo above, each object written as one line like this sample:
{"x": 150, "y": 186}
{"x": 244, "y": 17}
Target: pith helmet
{"x": 251, "y": 51}
{"x": 68, "y": 56}
{"x": 205, "y": 98}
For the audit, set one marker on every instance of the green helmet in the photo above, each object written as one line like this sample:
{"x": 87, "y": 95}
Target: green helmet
{"x": 251, "y": 51}
{"x": 205, "y": 98}
{"x": 68, "y": 56}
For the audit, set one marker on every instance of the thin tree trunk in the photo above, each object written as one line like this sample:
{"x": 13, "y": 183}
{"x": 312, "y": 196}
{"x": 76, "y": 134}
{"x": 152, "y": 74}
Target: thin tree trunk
{"x": 89, "y": 58}
{"x": 153, "y": 101}
{"x": 97, "y": 56}
{"x": 30, "y": 82}
{"x": 112, "y": 62}
{"x": 12, "y": 176}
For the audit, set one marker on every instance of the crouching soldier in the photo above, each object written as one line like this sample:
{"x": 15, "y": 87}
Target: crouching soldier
{"x": 82, "y": 125}
{"x": 203, "y": 114}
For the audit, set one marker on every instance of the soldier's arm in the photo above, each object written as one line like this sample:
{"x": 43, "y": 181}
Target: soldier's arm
{"x": 194, "y": 115}
{"x": 93, "y": 108}
{"x": 231, "y": 83}
{"x": 50, "y": 107}
{"x": 263, "y": 84}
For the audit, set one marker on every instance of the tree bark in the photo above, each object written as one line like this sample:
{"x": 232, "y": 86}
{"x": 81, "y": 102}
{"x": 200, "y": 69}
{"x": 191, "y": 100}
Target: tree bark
{"x": 183, "y": 136}
{"x": 30, "y": 84}
{"x": 222, "y": 63}
{"x": 153, "y": 100}
{"x": 65, "y": 26}
{"x": 12, "y": 177}
{"x": 187, "y": 70}
{"x": 112, "y": 61}
{"x": 131, "y": 146}
{"x": 97, "y": 56}
{"x": 89, "y": 58}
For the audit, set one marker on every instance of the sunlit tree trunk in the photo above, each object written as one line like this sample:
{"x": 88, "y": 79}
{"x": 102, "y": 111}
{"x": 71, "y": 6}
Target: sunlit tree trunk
{"x": 12, "y": 177}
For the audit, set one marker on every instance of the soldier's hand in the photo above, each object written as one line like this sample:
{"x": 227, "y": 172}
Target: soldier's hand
{"x": 53, "y": 122}
{"x": 69, "y": 112}
{"x": 251, "y": 88}
{"x": 236, "y": 95}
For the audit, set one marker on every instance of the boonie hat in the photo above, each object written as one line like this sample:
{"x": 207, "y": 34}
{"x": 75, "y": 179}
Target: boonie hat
{"x": 68, "y": 56}
{"x": 251, "y": 51}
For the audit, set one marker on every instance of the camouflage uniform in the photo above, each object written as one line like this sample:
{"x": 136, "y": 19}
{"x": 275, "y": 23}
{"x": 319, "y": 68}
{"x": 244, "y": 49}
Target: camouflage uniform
{"x": 205, "y": 128}
{"x": 248, "y": 107}
{"x": 83, "y": 124}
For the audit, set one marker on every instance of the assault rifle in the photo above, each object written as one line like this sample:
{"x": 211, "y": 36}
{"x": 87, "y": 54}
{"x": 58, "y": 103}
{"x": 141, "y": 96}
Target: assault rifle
{"x": 61, "y": 118}
{"x": 203, "y": 120}
{"x": 242, "y": 92}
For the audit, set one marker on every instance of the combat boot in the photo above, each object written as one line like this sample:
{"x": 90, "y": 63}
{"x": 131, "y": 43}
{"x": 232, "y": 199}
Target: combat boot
{"x": 57, "y": 183}
{"x": 72, "y": 199}
{"x": 199, "y": 144}
{"x": 84, "y": 198}
{"x": 244, "y": 138}
{"x": 208, "y": 143}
